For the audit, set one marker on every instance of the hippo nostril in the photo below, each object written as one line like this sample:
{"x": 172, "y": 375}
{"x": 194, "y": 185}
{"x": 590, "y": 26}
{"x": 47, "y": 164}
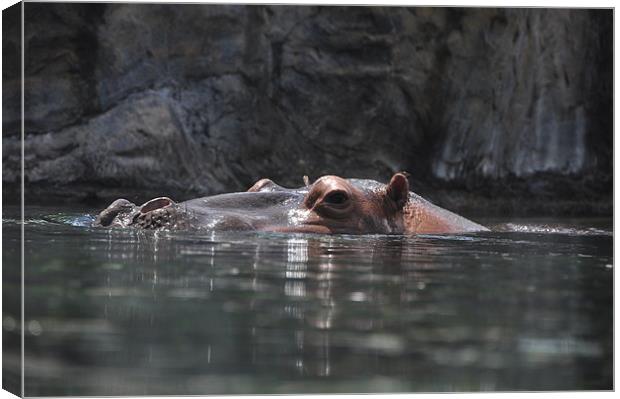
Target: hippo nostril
{"x": 155, "y": 204}
{"x": 114, "y": 212}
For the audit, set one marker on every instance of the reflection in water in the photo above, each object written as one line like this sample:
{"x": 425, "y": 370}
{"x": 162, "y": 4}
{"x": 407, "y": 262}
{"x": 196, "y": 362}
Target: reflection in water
{"x": 124, "y": 312}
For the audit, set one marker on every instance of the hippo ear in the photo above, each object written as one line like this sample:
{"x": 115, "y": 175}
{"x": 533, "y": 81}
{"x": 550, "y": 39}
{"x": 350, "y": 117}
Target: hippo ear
{"x": 397, "y": 190}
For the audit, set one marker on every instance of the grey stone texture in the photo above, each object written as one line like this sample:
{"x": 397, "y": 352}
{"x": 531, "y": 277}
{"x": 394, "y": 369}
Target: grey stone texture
{"x": 201, "y": 99}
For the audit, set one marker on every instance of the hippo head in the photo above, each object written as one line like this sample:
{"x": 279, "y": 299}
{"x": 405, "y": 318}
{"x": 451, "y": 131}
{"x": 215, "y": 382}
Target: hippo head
{"x": 336, "y": 205}
{"x": 329, "y": 205}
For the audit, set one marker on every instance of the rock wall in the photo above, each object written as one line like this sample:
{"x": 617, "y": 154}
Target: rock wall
{"x": 200, "y": 99}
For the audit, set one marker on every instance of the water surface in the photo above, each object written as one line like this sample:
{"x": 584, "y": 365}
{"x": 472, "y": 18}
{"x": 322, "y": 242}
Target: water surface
{"x": 125, "y": 312}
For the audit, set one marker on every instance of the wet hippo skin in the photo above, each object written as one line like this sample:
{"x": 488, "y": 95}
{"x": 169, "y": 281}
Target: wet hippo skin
{"x": 329, "y": 205}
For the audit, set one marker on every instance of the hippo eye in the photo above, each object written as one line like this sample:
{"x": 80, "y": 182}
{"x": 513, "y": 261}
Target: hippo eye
{"x": 336, "y": 198}
{"x": 262, "y": 185}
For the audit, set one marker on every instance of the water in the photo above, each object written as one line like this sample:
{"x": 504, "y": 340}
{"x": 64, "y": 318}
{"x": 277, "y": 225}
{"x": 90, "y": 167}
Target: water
{"x": 123, "y": 312}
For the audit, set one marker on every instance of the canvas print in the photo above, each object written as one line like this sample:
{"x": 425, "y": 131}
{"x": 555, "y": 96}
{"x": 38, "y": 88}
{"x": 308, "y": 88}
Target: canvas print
{"x": 208, "y": 199}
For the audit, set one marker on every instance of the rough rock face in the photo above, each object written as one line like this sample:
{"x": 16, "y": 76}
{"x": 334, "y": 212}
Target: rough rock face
{"x": 200, "y": 99}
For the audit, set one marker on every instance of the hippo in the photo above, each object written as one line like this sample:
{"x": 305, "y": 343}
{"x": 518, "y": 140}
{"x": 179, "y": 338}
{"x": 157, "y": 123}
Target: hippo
{"x": 329, "y": 205}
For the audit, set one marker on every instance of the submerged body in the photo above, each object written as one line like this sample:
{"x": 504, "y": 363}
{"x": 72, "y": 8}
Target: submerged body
{"x": 329, "y": 205}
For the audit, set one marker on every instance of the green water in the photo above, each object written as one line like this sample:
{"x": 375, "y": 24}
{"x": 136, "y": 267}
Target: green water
{"x": 124, "y": 312}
